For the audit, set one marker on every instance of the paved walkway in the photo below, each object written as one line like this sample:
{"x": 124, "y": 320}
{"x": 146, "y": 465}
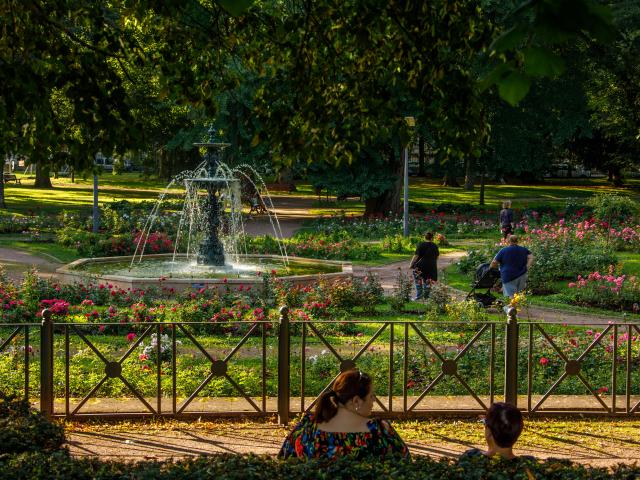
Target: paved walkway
{"x": 597, "y": 444}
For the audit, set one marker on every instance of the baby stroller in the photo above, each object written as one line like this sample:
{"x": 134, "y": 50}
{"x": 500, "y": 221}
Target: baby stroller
{"x": 489, "y": 278}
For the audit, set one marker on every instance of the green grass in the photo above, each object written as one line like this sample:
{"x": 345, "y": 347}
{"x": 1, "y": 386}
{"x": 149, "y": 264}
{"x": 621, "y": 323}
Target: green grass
{"x": 25, "y": 199}
{"x": 48, "y": 251}
{"x": 631, "y": 262}
{"x": 552, "y": 192}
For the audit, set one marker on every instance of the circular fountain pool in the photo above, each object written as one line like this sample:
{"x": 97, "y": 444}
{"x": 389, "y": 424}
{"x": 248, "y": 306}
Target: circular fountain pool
{"x": 156, "y": 270}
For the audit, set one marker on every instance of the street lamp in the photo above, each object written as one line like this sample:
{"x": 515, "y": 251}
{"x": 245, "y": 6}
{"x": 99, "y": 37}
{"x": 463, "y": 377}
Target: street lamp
{"x": 411, "y": 122}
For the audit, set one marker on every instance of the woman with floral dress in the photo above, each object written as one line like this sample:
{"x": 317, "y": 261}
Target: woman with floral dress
{"x": 342, "y": 425}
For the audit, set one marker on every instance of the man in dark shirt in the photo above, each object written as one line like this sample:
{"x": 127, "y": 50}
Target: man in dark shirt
{"x": 506, "y": 219}
{"x": 425, "y": 266}
{"x": 514, "y": 262}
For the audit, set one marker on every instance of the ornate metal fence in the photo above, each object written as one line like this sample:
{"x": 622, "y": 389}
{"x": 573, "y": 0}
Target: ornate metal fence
{"x": 419, "y": 368}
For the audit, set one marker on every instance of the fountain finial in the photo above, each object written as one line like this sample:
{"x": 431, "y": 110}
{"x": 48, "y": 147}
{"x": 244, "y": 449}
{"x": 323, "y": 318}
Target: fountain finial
{"x": 212, "y": 134}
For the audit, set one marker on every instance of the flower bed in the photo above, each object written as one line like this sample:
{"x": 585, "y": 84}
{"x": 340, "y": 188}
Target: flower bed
{"x": 611, "y": 290}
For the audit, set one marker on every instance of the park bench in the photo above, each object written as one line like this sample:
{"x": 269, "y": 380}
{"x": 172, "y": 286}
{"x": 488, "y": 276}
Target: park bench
{"x": 10, "y": 177}
{"x": 257, "y": 206}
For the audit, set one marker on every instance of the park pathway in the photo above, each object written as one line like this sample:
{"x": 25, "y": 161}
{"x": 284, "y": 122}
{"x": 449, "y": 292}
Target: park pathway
{"x": 597, "y": 444}
{"x": 389, "y": 273}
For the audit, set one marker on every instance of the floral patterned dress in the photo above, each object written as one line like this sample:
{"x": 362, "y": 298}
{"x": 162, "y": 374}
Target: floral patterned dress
{"x": 307, "y": 441}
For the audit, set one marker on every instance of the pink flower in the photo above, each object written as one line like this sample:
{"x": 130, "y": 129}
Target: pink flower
{"x": 131, "y": 336}
{"x": 544, "y": 361}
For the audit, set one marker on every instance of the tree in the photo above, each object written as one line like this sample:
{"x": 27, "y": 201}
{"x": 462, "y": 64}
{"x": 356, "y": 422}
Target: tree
{"x": 357, "y": 68}
{"x": 72, "y": 49}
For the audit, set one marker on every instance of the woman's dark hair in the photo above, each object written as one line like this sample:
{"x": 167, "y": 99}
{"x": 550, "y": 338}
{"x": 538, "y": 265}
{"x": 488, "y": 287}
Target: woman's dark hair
{"x": 349, "y": 384}
{"x": 428, "y": 236}
{"x": 505, "y": 423}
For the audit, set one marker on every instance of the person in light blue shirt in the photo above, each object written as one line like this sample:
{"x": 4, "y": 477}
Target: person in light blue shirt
{"x": 514, "y": 262}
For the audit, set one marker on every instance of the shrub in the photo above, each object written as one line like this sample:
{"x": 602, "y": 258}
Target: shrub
{"x": 61, "y": 466}
{"x": 474, "y": 258}
{"x": 609, "y": 290}
{"x": 401, "y": 291}
{"x": 439, "y": 298}
{"x": 612, "y": 207}
{"x": 562, "y": 260}
{"x": 25, "y": 430}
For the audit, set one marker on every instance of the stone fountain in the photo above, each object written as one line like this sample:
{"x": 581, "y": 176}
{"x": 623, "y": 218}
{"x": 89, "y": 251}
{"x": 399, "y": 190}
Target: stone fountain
{"x": 207, "y": 248}
{"x": 211, "y": 250}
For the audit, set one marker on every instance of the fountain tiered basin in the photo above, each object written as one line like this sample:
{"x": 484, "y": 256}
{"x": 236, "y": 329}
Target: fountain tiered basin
{"x": 180, "y": 274}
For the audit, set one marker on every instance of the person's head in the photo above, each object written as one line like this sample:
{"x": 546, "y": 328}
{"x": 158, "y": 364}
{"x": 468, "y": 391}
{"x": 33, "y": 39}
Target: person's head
{"x": 428, "y": 236}
{"x": 502, "y": 425}
{"x": 506, "y": 204}
{"x": 513, "y": 239}
{"x": 352, "y": 389}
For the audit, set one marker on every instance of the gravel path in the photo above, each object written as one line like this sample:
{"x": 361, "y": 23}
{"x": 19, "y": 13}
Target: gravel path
{"x": 593, "y": 444}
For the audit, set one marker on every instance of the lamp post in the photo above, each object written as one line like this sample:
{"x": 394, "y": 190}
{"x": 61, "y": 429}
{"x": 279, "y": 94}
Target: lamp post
{"x": 96, "y": 209}
{"x": 405, "y": 217}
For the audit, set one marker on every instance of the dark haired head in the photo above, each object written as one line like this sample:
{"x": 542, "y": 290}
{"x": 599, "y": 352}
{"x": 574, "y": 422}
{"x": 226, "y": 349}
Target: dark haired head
{"x": 347, "y": 385}
{"x": 504, "y": 421}
{"x": 428, "y": 236}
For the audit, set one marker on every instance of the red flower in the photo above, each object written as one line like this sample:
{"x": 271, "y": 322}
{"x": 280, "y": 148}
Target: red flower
{"x": 131, "y": 336}
{"x": 544, "y": 361}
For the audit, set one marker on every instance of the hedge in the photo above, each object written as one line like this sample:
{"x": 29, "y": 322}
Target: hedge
{"x": 23, "y": 430}
{"x": 31, "y": 449}
{"x": 59, "y": 466}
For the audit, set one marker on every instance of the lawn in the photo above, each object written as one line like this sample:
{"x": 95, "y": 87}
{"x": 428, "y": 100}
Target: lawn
{"x": 27, "y": 200}
{"x": 24, "y": 199}
{"x": 50, "y": 251}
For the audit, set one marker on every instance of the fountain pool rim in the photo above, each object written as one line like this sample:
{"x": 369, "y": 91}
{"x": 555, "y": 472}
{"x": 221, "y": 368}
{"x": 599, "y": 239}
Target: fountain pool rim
{"x": 69, "y": 273}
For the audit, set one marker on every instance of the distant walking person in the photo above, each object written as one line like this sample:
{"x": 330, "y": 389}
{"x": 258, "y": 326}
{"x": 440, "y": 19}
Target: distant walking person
{"x": 425, "y": 266}
{"x": 514, "y": 262}
{"x": 506, "y": 219}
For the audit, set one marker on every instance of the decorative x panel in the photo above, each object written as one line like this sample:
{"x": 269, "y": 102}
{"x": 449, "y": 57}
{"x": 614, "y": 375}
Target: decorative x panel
{"x": 345, "y": 364}
{"x": 112, "y": 369}
{"x": 218, "y": 368}
{"x": 449, "y": 366}
{"x": 572, "y": 367}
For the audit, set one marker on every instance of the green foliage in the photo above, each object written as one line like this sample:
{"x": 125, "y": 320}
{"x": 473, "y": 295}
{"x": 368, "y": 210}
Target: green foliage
{"x": 611, "y": 207}
{"x": 402, "y": 289}
{"x": 476, "y": 257}
{"x": 25, "y": 430}
{"x": 60, "y": 466}
{"x": 337, "y": 246}
{"x": 439, "y": 298}
{"x": 557, "y": 261}
{"x": 524, "y": 49}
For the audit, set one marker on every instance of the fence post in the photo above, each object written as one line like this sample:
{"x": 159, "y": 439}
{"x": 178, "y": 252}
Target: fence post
{"x": 284, "y": 359}
{"x": 511, "y": 358}
{"x": 46, "y": 364}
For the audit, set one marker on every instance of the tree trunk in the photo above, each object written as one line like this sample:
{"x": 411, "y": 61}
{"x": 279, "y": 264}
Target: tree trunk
{"x": 468, "y": 174}
{"x": 42, "y": 176}
{"x": 616, "y": 174}
{"x": 162, "y": 161}
{"x": 285, "y": 176}
{"x": 421, "y": 155}
{"x": 2, "y": 204}
{"x": 482, "y": 177}
{"x": 73, "y": 175}
{"x": 449, "y": 180}
{"x": 390, "y": 202}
